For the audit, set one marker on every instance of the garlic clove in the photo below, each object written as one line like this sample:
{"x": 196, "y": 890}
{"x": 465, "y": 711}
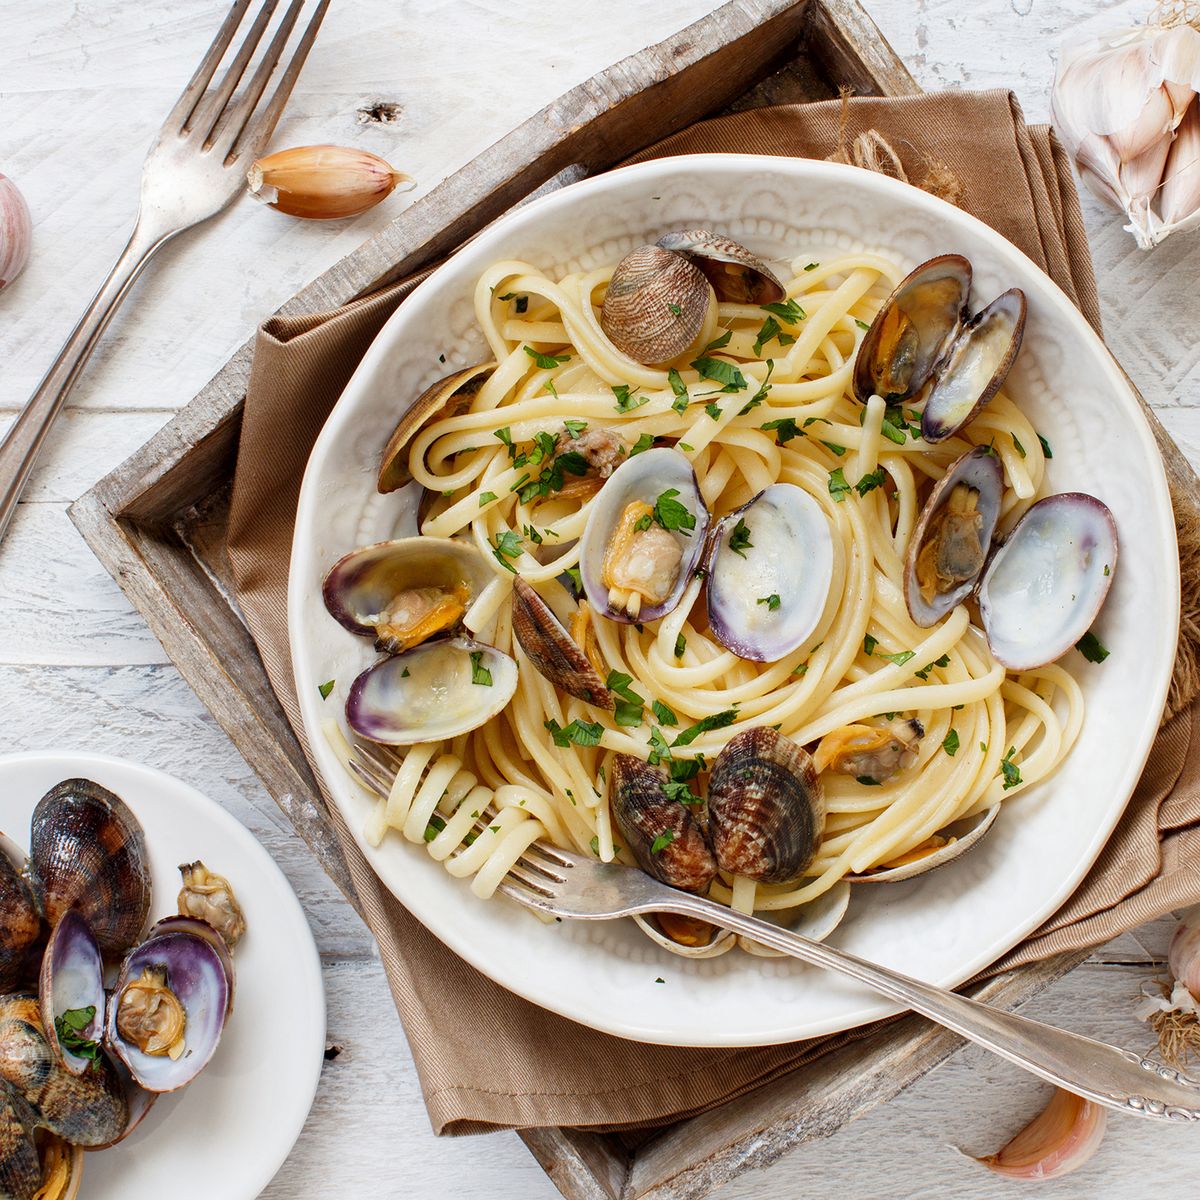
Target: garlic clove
{"x": 323, "y": 183}
{"x": 1183, "y": 957}
{"x": 16, "y": 231}
{"x": 1059, "y": 1140}
{"x": 1180, "y": 199}
{"x": 1177, "y": 52}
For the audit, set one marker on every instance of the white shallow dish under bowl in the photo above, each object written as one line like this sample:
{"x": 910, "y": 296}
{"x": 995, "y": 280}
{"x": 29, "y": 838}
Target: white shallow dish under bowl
{"x": 942, "y": 927}
{"x": 228, "y": 1132}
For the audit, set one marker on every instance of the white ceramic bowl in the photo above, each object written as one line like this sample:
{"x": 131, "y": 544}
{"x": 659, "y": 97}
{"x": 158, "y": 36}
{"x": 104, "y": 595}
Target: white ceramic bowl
{"x": 943, "y": 927}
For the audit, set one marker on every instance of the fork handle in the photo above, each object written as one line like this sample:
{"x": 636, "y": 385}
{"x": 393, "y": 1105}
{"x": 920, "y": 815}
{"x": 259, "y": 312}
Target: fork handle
{"x": 23, "y": 441}
{"x": 1119, "y": 1079}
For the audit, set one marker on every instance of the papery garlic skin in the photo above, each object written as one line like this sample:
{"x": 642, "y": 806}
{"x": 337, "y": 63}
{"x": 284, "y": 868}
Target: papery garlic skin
{"x": 323, "y": 183}
{"x": 1184, "y": 955}
{"x": 1059, "y": 1140}
{"x": 16, "y": 232}
{"x": 1120, "y": 105}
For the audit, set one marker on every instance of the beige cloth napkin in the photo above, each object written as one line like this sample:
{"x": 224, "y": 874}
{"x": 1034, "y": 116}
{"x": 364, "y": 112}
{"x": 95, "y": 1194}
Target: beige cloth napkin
{"x": 487, "y": 1058}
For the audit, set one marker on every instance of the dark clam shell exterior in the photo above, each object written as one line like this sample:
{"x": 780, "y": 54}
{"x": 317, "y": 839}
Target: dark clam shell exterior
{"x": 736, "y": 273}
{"x": 766, "y": 807}
{"x": 552, "y": 650}
{"x": 912, "y": 330}
{"x": 20, "y": 1166}
{"x": 20, "y": 924}
{"x": 88, "y": 852}
{"x": 87, "y": 1110}
{"x": 643, "y": 814}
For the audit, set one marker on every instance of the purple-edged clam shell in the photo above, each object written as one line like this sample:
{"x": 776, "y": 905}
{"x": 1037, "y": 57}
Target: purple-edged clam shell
{"x": 72, "y": 978}
{"x": 194, "y": 925}
{"x": 197, "y": 976}
{"x": 432, "y": 692}
{"x": 975, "y": 367}
{"x": 765, "y": 600}
{"x": 644, "y": 477}
{"x": 913, "y": 329}
{"x": 362, "y": 585}
{"x": 981, "y": 470}
{"x": 1041, "y": 589}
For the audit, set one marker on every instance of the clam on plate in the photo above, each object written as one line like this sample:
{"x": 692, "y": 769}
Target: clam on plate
{"x": 230, "y": 1129}
{"x": 943, "y": 926}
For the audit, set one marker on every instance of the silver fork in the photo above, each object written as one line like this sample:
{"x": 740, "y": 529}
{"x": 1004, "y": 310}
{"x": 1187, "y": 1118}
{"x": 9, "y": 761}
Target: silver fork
{"x": 195, "y": 168}
{"x": 564, "y": 884}
{"x": 561, "y": 883}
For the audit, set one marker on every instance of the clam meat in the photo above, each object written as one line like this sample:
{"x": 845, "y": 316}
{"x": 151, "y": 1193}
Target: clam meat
{"x": 663, "y": 835}
{"x": 209, "y": 897}
{"x": 736, "y": 274}
{"x": 770, "y": 568}
{"x": 88, "y": 852}
{"x": 1042, "y": 588}
{"x": 949, "y": 544}
{"x": 644, "y": 537}
{"x": 871, "y": 752}
{"x": 766, "y": 807}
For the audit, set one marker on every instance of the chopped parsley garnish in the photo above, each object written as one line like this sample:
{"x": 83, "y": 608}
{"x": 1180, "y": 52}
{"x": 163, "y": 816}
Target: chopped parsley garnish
{"x": 643, "y": 523}
{"x": 685, "y": 446}
{"x": 595, "y": 845}
{"x": 582, "y": 733}
{"x": 869, "y": 644}
{"x": 672, "y": 515}
{"x": 892, "y": 430}
{"x": 870, "y": 481}
{"x": 1046, "y": 451}
{"x": 801, "y": 671}
{"x": 1020, "y": 448}
{"x": 548, "y": 386}
{"x": 772, "y": 601}
{"x": 770, "y": 330}
{"x": 763, "y": 391}
{"x": 665, "y": 715}
{"x": 867, "y": 781}
{"x": 680, "y": 792}
{"x": 507, "y": 545}
{"x": 643, "y": 443}
{"x": 547, "y": 361}
{"x": 719, "y": 343}
{"x": 507, "y": 295}
{"x": 626, "y": 402}
{"x": 680, "y": 646}
{"x": 533, "y": 535}
{"x": 717, "y": 721}
{"x": 487, "y": 498}
{"x": 950, "y": 743}
{"x": 861, "y": 324}
{"x": 680, "y": 389}
{"x": 788, "y": 311}
{"x": 479, "y": 673}
{"x": 675, "y": 309}
{"x": 722, "y": 372}
{"x": 405, "y": 673}
{"x": 1012, "y": 776}
{"x": 505, "y": 435}
{"x": 325, "y": 688}
{"x": 784, "y": 428}
{"x": 572, "y": 573}
{"x": 834, "y": 448}
{"x": 522, "y": 304}
{"x": 897, "y": 659}
{"x": 839, "y": 489}
{"x": 659, "y": 750}
{"x": 944, "y": 661}
{"x": 1091, "y": 647}
{"x": 739, "y": 539}
{"x": 661, "y": 842}
{"x": 812, "y": 266}
{"x": 575, "y": 428}
{"x": 70, "y": 1027}
{"x": 435, "y": 826}
{"x": 713, "y": 410}
{"x": 629, "y": 705}
{"x": 660, "y": 979}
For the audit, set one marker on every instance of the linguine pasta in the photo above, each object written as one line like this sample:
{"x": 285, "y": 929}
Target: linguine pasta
{"x": 777, "y": 407}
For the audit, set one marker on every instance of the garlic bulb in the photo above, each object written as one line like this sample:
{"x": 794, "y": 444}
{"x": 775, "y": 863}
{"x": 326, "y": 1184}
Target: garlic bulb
{"x": 323, "y": 182}
{"x": 1125, "y": 106}
{"x": 1173, "y": 1008}
{"x": 1059, "y": 1140}
{"x": 16, "y": 231}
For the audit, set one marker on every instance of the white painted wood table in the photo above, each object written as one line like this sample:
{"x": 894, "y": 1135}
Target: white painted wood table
{"x": 83, "y": 87}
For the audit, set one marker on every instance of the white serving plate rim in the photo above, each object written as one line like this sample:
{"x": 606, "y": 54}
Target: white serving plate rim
{"x": 387, "y": 860}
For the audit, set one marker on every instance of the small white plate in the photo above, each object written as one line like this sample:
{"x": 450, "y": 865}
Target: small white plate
{"x": 228, "y": 1132}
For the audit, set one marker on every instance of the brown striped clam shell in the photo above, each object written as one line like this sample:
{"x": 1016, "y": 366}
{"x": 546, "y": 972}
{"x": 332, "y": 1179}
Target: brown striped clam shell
{"x": 655, "y": 305}
{"x": 20, "y": 924}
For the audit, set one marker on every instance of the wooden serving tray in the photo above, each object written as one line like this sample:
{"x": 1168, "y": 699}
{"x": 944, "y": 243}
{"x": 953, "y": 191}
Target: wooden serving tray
{"x": 158, "y": 524}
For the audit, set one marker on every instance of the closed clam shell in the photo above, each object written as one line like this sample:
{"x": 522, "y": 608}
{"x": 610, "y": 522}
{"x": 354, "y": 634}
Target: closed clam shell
{"x": 20, "y": 924}
{"x": 88, "y": 1110}
{"x": 647, "y": 818}
{"x": 450, "y": 396}
{"x": 980, "y": 471}
{"x": 913, "y": 330}
{"x": 975, "y": 366}
{"x": 1042, "y": 588}
{"x": 766, "y": 807}
{"x": 736, "y": 273}
{"x": 72, "y": 979}
{"x": 88, "y": 851}
{"x": 552, "y": 650}
{"x": 655, "y": 305}
{"x": 20, "y": 1165}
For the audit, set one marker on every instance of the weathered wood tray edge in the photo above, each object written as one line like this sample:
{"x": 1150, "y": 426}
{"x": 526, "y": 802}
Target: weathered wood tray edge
{"x": 131, "y": 520}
